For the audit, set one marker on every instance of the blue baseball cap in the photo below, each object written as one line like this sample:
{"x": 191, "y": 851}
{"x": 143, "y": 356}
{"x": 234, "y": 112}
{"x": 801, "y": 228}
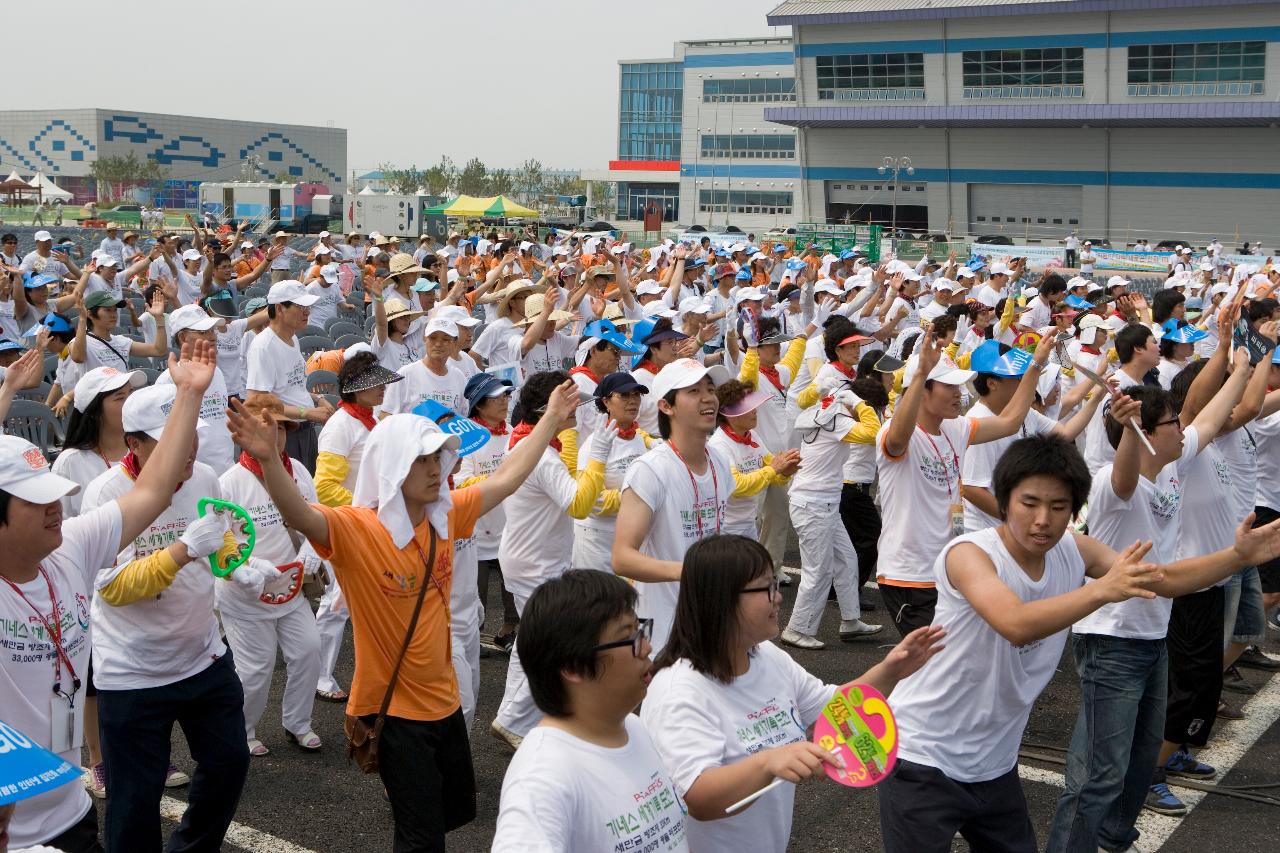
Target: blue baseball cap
{"x": 744, "y": 274}
{"x": 696, "y": 262}
{"x": 471, "y": 436}
{"x": 7, "y": 345}
{"x": 848, "y": 254}
{"x": 606, "y": 331}
{"x": 434, "y": 411}
{"x": 1077, "y": 302}
{"x": 55, "y": 323}
{"x": 481, "y": 387}
{"x": 988, "y": 359}
{"x": 424, "y": 285}
{"x": 31, "y": 281}
{"x": 795, "y": 264}
{"x": 780, "y": 247}
{"x": 1180, "y": 332}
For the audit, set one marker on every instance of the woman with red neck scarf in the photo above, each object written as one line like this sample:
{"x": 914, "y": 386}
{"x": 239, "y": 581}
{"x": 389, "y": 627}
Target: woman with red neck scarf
{"x": 842, "y": 342}
{"x": 362, "y": 383}
{"x": 599, "y": 354}
{"x": 754, "y": 467}
{"x": 278, "y": 616}
{"x": 663, "y": 345}
{"x": 542, "y": 510}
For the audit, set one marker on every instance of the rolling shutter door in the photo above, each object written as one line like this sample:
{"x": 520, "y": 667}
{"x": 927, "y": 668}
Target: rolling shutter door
{"x": 1038, "y": 209}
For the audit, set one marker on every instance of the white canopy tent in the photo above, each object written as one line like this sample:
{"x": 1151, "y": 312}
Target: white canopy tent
{"x": 48, "y": 189}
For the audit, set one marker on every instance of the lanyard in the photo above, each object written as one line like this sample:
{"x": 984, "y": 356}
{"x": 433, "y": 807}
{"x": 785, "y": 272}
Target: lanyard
{"x": 54, "y": 632}
{"x": 942, "y": 458}
{"x": 697, "y": 498}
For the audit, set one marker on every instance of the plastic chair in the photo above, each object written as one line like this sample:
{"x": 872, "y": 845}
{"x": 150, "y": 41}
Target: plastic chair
{"x": 312, "y": 331}
{"x": 39, "y": 394}
{"x": 50, "y": 367}
{"x": 322, "y": 382}
{"x": 151, "y": 373}
{"x": 338, "y": 328}
{"x": 349, "y": 341}
{"x": 313, "y": 343}
{"x": 35, "y": 422}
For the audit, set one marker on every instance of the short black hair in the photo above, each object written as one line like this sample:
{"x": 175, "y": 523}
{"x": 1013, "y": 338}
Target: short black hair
{"x": 1129, "y": 339}
{"x": 221, "y": 258}
{"x": 561, "y": 626}
{"x": 1260, "y": 310}
{"x": 1163, "y": 305}
{"x": 767, "y": 326}
{"x": 716, "y": 570}
{"x": 664, "y": 420}
{"x": 1051, "y": 284}
{"x": 1041, "y": 456}
{"x": 944, "y": 324}
{"x": 1156, "y": 402}
{"x": 535, "y": 394}
{"x": 870, "y": 389}
{"x": 835, "y": 332}
{"x": 1181, "y": 383}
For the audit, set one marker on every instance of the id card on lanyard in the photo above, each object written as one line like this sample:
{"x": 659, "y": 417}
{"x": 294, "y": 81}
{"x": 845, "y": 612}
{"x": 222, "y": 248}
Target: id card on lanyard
{"x": 66, "y": 715}
{"x": 955, "y": 509}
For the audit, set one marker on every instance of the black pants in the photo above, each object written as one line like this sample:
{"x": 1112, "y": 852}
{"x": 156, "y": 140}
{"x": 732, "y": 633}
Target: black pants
{"x": 862, "y": 522}
{"x": 1194, "y": 642}
{"x": 1268, "y": 572}
{"x": 910, "y": 607}
{"x": 303, "y": 444}
{"x": 426, "y": 768}
{"x": 80, "y": 838}
{"x": 136, "y": 727}
{"x": 509, "y": 614}
{"x": 921, "y": 810}
{"x": 1070, "y": 260}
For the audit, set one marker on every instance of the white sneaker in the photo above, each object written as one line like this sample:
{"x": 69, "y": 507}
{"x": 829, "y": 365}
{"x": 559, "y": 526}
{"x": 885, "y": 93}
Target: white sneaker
{"x": 801, "y": 641}
{"x": 1132, "y": 848}
{"x": 505, "y": 735}
{"x": 175, "y": 778}
{"x": 855, "y": 628}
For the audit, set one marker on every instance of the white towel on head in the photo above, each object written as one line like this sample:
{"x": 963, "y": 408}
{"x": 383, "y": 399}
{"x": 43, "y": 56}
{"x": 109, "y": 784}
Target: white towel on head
{"x": 393, "y": 446}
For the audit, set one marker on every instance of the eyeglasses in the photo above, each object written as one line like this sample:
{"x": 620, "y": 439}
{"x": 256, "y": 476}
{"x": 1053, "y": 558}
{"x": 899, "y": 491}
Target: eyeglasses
{"x": 642, "y": 637}
{"x": 771, "y": 590}
{"x": 1164, "y": 423}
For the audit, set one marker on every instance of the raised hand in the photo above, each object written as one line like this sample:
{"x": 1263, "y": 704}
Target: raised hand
{"x": 1130, "y": 577}
{"x": 1255, "y": 546}
{"x": 26, "y": 371}
{"x": 255, "y": 436}
{"x": 930, "y": 350}
{"x": 194, "y": 370}
{"x": 563, "y": 402}
{"x": 914, "y": 651}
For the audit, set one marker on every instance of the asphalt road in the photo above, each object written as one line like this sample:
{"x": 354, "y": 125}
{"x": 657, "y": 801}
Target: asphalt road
{"x": 295, "y": 802}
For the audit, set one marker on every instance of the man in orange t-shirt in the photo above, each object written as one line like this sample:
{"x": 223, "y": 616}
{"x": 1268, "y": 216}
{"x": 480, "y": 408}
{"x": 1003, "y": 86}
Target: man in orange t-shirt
{"x": 378, "y": 548}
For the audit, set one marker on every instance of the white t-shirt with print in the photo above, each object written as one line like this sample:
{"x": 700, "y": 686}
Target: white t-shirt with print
{"x": 1241, "y": 455}
{"x": 81, "y": 467}
{"x": 393, "y": 355}
{"x": 216, "y": 450}
{"x": 556, "y": 353}
{"x": 27, "y": 658}
{"x": 980, "y": 462}
{"x": 174, "y": 635}
{"x": 1151, "y": 513}
{"x": 98, "y": 284}
{"x": 964, "y": 712}
{"x": 1266, "y": 437}
{"x": 107, "y": 352}
{"x": 1208, "y": 519}
{"x": 562, "y": 794}
{"x": 1097, "y": 449}
{"x": 482, "y": 463}
{"x": 622, "y": 454}
{"x": 698, "y": 724}
{"x": 664, "y": 483}
{"x": 916, "y": 494}
{"x": 740, "y": 515}
{"x": 325, "y": 307}
{"x": 539, "y": 547}
{"x": 274, "y": 365}
{"x": 422, "y": 383}
{"x": 188, "y": 287}
{"x": 231, "y": 352}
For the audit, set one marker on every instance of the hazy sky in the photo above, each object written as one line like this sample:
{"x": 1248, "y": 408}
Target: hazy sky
{"x": 529, "y": 79}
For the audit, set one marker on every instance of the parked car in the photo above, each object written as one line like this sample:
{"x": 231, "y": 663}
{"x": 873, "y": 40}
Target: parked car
{"x": 996, "y": 239}
{"x": 1169, "y": 245}
{"x": 1098, "y": 243}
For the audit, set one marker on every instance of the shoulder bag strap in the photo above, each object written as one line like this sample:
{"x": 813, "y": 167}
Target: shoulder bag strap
{"x": 108, "y": 345}
{"x": 413, "y": 622}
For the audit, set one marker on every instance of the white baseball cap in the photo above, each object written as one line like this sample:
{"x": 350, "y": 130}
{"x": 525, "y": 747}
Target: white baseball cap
{"x": 693, "y": 305}
{"x": 191, "y": 317}
{"x": 290, "y": 290}
{"x": 649, "y": 287}
{"x": 457, "y": 315}
{"x": 104, "y": 379}
{"x": 1118, "y": 281}
{"x": 441, "y": 324}
{"x": 684, "y": 372}
{"x": 948, "y": 285}
{"x": 148, "y": 409}
{"x": 321, "y": 250}
{"x": 1093, "y": 286}
{"x": 945, "y": 371}
{"x": 329, "y": 272}
{"x": 322, "y": 235}
{"x": 999, "y": 268}
{"x": 24, "y": 473}
{"x": 827, "y": 285}
{"x": 108, "y": 261}
{"x": 748, "y": 294}
{"x": 43, "y": 237}
{"x": 964, "y": 272}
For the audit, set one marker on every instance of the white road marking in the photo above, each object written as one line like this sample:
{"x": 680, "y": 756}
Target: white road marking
{"x": 238, "y": 834}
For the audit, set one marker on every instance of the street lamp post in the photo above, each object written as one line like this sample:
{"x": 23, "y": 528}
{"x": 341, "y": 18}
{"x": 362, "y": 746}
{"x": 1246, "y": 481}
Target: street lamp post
{"x": 897, "y": 165}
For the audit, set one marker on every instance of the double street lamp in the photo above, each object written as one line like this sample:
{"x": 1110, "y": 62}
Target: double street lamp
{"x": 896, "y": 165}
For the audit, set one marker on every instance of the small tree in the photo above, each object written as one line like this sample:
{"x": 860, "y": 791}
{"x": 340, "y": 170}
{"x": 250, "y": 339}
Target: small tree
{"x": 500, "y": 182}
{"x": 529, "y": 179}
{"x": 125, "y": 172}
{"x": 473, "y": 179}
{"x": 441, "y": 177}
{"x": 403, "y": 181}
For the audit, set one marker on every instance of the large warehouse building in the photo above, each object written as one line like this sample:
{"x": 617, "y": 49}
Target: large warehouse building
{"x": 1030, "y": 118}
{"x": 64, "y": 143}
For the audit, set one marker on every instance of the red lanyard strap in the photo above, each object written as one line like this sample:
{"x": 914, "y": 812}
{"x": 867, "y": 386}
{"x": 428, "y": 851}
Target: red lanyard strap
{"x": 697, "y": 497}
{"x": 54, "y": 631}
{"x": 955, "y": 456}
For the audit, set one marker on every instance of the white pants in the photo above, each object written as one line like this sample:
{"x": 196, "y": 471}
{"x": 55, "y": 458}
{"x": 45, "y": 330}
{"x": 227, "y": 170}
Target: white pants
{"x": 466, "y": 658}
{"x": 518, "y": 713}
{"x": 331, "y": 620}
{"x": 748, "y": 530}
{"x": 826, "y": 558}
{"x": 774, "y": 524}
{"x": 254, "y": 643}
{"x": 592, "y": 548}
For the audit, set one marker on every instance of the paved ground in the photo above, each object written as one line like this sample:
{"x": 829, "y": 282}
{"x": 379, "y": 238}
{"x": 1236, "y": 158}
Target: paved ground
{"x": 296, "y": 802}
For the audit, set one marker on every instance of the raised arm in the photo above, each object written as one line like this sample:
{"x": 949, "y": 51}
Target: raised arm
{"x": 533, "y": 334}
{"x": 22, "y": 374}
{"x": 261, "y": 267}
{"x": 1015, "y": 412}
{"x": 1209, "y": 422}
{"x": 520, "y": 462}
{"x": 160, "y": 346}
{"x": 898, "y": 435}
{"x": 1128, "y": 460}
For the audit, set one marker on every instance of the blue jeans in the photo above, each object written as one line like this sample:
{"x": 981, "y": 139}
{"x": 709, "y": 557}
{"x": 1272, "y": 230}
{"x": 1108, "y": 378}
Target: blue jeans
{"x": 136, "y": 727}
{"x": 1115, "y": 743}
{"x": 1250, "y": 625}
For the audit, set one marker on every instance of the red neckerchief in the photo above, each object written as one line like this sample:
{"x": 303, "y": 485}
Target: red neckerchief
{"x": 771, "y": 373}
{"x": 745, "y": 438}
{"x": 1090, "y": 350}
{"x": 648, "y": 365}
{"x": 133, "y": 467}
{"x": 841, "y": 368}
{"x": 627, "y": 434}
{"x": 252, "y": 466}
{"x": 364, "y": 414}
{"x": 584, "y": 371}
{"x": 522, "y": 429}
{"x": 500, "y": 429}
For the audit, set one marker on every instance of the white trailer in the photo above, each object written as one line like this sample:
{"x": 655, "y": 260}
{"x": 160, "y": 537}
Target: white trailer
{"x": 390, "y": 215}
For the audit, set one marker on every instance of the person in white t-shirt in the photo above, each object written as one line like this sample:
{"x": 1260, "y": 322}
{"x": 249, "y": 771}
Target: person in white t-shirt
{"x": 587, "y": 777}
{"x": 533, "y": 550}
{"x": 677, "y": 493}
{"x": 108, "y": 276}
{"x": 1139, "y": 354}
{"x": 729, "y": 711}
{"x": 397, "y": 338}
{"x": 188, "y": 324}
{"x": 541, "y": 348}
{"x": 919, "y": 459}
{"x": 432, "y": 377}
{"x": 95, "y": 344}
{"x": 663, "y": 345}
{"x": 755, "y": 468}
{"x": 274, "y": 364}
{"x": 49, "y": 558}
{"x": 328, "y": 296}
{"x": 95, "y": 432}
{"x": 599, "y": 355}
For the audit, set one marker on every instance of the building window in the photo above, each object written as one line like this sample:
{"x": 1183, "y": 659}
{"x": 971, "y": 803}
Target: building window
{"x": 1212, "y": 68}
{"x": 633, "y": 199}
{"x": 649, "y": 111}
{"x": 871, "y": 77}
{"x": 753, "y": 90}
{"x": 749, "y": 146}
{"x": 1048, "y": 66}
{"x": 763, "y": 202}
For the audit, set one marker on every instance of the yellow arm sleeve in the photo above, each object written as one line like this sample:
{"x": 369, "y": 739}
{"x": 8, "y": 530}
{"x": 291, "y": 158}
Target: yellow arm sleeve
{"x": 610, "y": 500}
{"x": 750, "y": 372}
{"x": 795, "y": 355}
{"x": 590, "y": 482}
{"x": 331, "y": 473}
{"x": 808, "y": 396}
{"x": 747, "y": 485}
{"x": 1006, "y": 319}
{"x": 868, "y": 426}
{"x": 471, "y": 481}
{"x": 143, "y": 578}
{"x": 569, "y": 452}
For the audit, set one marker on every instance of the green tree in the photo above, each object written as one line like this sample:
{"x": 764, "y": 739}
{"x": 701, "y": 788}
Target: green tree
{"x": 529, "y": 179}
{"x": 442, "y": 177}
{"x": 403, "y": 181}
{"x": 473, "y": 179}
{"x": 500, "y": 182}
{"x": 125, "y": 172}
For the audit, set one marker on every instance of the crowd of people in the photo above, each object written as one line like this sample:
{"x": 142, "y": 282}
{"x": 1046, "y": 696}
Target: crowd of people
{"x": 624, "y": 439}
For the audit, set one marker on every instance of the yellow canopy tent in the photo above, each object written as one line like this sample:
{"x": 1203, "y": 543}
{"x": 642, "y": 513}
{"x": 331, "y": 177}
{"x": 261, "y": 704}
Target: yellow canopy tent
{"x": 493, "y": 207}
